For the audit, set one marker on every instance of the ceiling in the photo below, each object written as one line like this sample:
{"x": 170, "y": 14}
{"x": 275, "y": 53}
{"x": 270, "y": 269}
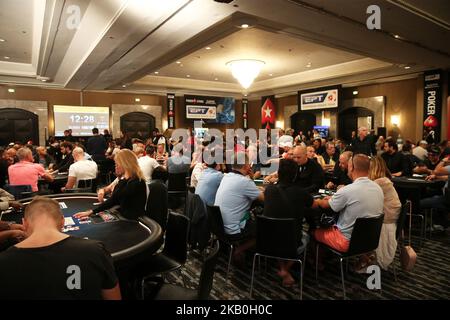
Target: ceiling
{"x": 118, "y": 45}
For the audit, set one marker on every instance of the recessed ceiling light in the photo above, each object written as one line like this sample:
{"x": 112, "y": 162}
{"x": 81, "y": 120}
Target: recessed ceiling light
{"x": 6, "y": 57}
{"x": 355, "y": 92}
{"x": 208, "y": 48}
{"x": 270, "y": 74}
{"x": 137, "y": 100}
{"x": 11, "y": 90}
{"x": 124, "y": 86}
{"x": 156, "y": 72}
{"x": 308, "y": 65}
{"x": 407, "y": 67}
{"x": 188, "y": 75}
{"x": 216, "y": 79}
{"x": 396, "y": 36}
{"x": 2, "y": 40}
{"x": 178, "y": 62}
{"x": 244, "y": 26}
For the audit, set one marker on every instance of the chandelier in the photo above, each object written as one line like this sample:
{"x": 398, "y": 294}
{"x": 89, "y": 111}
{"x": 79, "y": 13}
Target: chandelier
{"x": 245, "y": 71}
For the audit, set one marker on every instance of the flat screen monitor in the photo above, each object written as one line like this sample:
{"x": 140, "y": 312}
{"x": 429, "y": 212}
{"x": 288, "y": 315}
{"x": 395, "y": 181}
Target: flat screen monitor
{"x": 323, "y": 130}
{"x": 80, "y": 119}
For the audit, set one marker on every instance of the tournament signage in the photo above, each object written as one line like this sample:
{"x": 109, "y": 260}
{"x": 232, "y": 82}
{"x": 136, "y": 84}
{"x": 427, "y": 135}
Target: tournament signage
{"x": 319, "y": 99}
{"x": 432, "y": 95}
{"x": 171, "y": 110}
{"x": 212, "y": 109}
{"x": 245, "y": 112}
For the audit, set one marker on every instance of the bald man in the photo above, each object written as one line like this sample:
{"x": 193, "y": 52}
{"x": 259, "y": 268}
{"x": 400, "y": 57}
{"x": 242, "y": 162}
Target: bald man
{"x": 363, "y": 198}
{"x": 310, "y": 176}
{"x": 52, "y": 265}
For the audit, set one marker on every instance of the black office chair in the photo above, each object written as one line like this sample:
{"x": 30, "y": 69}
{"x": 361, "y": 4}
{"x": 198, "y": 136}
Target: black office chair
{"x": 84, "y": 186}
{"x": 365, "y": 239}
{"x": 176, "y": 185}
{"x": 174, "y": 254}
{"x": 173, "y": 292}
{"x": 157, "y": 203}
{"x": 19, "y": 191}
{"x": 217, "y": 228}
{"x": 277, "y": 239}
{"x": 399, "y": 232}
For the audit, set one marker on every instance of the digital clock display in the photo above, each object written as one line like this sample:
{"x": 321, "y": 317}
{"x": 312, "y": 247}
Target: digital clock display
{"x": 80, "y": 119}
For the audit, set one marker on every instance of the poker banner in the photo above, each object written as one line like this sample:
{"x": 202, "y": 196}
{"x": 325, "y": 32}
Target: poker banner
{"x": 245, "y": 112}
{"x": 432, "y": 104}
{"x": 171, "y": 110}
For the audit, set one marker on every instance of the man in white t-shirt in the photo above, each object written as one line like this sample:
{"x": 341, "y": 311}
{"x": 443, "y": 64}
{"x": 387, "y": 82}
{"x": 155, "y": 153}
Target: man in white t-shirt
{"x": 148, "y": 164}
{"x": 81, "y": 169}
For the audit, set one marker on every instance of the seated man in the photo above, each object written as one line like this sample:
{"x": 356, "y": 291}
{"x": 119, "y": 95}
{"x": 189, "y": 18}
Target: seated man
{"x": 310, "y": 175}
{"x": 66, "y": 150}
{"x": 209, "y": 183}
{"x": 52, "y": 265}
{"x": 234, "y": 196}
{"x": 25, "y": 172}
{"x": 81, "y": 169}
{"x": 363, "y": 198}
{"x": 148, "y": 164}
{"x": 340, "y": 173}
{"x": 43, "y": 158}
{"x": 441, "y": 172}
{"x": 329, "y": 158}
{"x": 396, "y": 162}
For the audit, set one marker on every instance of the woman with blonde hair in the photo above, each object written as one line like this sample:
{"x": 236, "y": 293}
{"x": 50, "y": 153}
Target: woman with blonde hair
{"x": 130, "y": 193}
{"x": 379, "y": 173}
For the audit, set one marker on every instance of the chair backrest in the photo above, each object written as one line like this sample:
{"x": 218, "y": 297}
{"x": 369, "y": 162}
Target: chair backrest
{"x": 365, "y": 235}
{"x": 190, "y": 192}
{"x": 215, "y": 222}
{"x": 276, "y": 237}
{"x": 177, "y": 181}
{"x": 406, "y": 209}
{"x": 175, "y": 244}
{"x": 19, "y": 191}
{"x": 447, "y": 196}
{"x": 157, "y": 203}
{"x": 87, "y": 185}
{"x": 207, "y": 274}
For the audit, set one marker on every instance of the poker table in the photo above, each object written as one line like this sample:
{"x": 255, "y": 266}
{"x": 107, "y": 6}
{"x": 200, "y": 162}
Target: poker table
{"x": 411, "y": 182}
{"x": 125, "y": 239}
{"x": 57, "y": 177}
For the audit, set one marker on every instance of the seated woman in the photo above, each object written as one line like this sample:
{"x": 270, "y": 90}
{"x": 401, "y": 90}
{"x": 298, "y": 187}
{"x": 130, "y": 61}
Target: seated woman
{"x": 287, "y": 200}
{"x": 385, "y": 253}
{"x": 130, "y": 193}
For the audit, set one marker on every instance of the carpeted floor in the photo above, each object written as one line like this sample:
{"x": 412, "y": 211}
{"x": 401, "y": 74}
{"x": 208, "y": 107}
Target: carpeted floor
{"x": 429, "y": 280}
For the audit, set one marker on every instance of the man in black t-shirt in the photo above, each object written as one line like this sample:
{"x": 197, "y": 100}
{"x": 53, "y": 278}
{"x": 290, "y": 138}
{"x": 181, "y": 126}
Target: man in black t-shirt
{"x": 52, "y": 265}
{"x": 310, "y": 175}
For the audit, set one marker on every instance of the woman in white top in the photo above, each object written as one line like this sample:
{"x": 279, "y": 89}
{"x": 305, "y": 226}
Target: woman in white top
{"x": 387, "y": 246}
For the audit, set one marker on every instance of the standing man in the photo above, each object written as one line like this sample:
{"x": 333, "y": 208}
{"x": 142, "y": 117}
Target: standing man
{"x": 363, "y": 143}
{"x": 96, "y": 146}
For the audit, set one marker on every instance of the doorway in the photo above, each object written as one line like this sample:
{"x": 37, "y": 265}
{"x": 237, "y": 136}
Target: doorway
{"x": 18, "y": 125}
{"x": 137, "y": 124}
{"x": 353, "y": 118}
{"x": 303, "y": 121}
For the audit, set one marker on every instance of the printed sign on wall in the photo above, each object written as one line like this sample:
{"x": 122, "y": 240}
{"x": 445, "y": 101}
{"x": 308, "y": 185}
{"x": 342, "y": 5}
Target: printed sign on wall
{"x": 171, "y": 110}
{"x": 324, "y": 99}
{"x": 432, "y": 106}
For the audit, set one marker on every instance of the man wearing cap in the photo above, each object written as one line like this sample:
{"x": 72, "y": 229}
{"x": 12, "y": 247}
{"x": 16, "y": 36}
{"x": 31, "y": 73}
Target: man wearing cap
{"x": 421, "y": 150}
{"x": 427, "y": 165}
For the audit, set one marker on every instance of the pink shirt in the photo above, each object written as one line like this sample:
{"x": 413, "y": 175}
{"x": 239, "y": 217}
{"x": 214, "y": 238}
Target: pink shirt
{"x": 25, "y": 173}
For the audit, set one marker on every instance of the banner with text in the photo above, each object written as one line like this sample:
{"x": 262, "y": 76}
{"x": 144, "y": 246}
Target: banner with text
{"x": 171, "y": 110}
{"x": 432, "y": 106}
{"x": 211, "y": 109}
{"x": 245, "y": 112}
{"x": 319, "y": 99}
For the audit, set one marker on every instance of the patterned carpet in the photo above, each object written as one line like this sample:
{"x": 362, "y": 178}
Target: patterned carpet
{"x": 429, "y": 279}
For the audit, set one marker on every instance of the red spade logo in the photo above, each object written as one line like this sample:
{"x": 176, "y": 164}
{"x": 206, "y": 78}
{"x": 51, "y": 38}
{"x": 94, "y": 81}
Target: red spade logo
{"x": 431, "y": 121}
{"x": 245, "y": 116}
{"x": 170, "y": 113}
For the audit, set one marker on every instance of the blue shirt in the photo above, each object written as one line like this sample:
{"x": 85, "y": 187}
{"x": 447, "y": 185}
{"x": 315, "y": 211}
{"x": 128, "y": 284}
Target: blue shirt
{"x": 234, "y": 197}
{"x": 361, "y": 199}
{"x": 207, "y": 185}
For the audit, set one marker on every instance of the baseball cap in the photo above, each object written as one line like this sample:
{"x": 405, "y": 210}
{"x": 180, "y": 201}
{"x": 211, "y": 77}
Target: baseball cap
{"x": 423, "y": 142}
